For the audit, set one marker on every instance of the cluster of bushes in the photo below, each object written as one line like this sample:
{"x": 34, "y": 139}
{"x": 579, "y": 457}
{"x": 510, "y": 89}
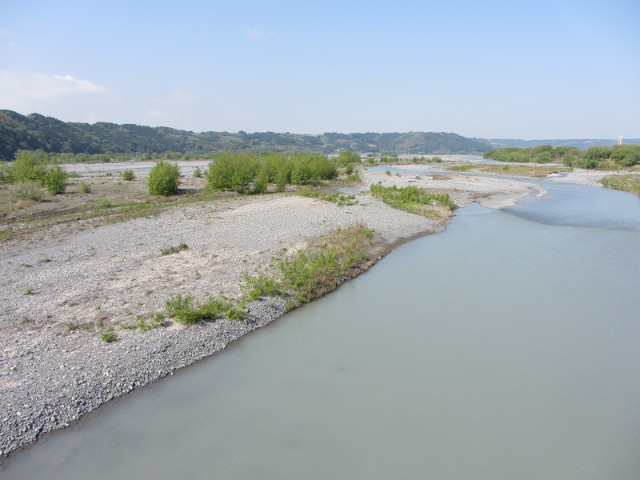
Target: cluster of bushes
{"x": 612, "y": 157}
{"x": 618, "y": 156}
{"x": 32, "y": 171}
{"x": 251, "y": 173}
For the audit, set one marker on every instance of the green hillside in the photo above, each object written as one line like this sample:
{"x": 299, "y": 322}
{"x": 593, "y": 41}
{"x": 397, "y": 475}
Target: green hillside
{"x": 33, "y": 132}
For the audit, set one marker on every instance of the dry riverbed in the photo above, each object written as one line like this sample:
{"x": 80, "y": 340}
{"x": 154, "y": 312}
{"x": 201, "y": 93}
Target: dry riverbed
{"x": 59, "y": 288}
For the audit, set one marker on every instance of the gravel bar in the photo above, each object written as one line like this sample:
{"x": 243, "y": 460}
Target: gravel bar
{"x": 55, "y": 288}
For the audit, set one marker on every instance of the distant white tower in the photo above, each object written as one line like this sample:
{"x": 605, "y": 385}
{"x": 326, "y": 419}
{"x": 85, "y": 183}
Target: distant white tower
{"x": 620, "y": 140}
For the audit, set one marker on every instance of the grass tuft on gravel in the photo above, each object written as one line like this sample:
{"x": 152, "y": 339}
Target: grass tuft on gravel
{"x": 187, "y": 311}
{"x": 170, "y": 250}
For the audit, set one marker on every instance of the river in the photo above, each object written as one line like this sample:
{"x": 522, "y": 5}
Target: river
{"x": 506, "y": 347}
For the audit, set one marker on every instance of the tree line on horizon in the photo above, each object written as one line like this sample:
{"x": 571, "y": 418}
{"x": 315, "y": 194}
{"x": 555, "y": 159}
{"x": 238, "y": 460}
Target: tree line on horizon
{"x": 601, "y": 158}
{"x": 83, "y": 140}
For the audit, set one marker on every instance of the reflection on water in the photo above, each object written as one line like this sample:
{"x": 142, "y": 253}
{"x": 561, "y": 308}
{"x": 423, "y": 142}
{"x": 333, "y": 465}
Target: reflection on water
{"x": 502, "y": 348}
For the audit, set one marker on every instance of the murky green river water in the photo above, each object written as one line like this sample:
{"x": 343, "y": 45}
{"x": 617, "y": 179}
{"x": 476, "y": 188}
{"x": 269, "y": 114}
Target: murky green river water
{"x": 507, "y": 347}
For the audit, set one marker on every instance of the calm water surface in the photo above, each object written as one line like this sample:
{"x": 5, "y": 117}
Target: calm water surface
{"x": 507, "y": 347}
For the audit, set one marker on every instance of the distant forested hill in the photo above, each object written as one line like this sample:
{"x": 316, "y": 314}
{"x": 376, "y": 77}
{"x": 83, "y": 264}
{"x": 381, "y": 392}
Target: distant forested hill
{"x": 32, "y": 132}
{"x": 582, "y": 144}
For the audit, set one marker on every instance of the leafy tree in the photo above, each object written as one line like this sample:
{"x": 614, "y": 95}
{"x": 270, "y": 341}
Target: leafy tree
{"x": 261, "y": 181}
{"x": 626, "y": 155}
{"x": 163, "y": 179}
{"x": 301, "y": 173}
{"x": 598, "y": 153}
{"x": 55, "y": 180}
{"x": 347, "y": 157}
{"x": 29, "y": 166}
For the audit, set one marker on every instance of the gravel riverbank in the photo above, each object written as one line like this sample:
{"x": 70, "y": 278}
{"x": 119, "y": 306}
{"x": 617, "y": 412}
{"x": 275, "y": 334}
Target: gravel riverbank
{"x": 56, "y": 288}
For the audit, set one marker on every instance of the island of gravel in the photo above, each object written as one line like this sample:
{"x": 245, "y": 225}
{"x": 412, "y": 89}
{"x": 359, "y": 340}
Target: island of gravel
{"x": 50, "y": 375}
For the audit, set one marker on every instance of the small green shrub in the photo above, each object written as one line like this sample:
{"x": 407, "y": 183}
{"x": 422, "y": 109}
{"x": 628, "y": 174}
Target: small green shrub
{"x": 170, "y": 250}
{"x": 128, "y": 175}
{"x": 28, "y": 291}
{"x": 261, "y": 181}
{"x": 197, "y": 173}
{"x": 27, "y": 191}
{"x": 55, "y": 180}
{"x": 108, "y": 336}
{"x": 84, "y": 188}
{"x": 163, "y": 179}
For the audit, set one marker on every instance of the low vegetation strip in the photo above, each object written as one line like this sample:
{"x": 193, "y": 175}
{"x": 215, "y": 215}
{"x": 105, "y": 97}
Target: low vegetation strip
{"x": 305, "y": 276}
{"x": 338, "y": 198}
{"x": 628, "y": 183}
{"x": 534, "y": 171}
{"x": 437, "y": 206}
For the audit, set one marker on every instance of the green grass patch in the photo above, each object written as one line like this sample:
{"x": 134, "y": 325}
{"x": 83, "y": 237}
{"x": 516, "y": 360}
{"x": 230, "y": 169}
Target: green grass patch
{"x": 154, "y": 321}
{"x": 628, "y": 183}
{"x": 534, "y": 171}
{"x": 461, "y": 168}
{"x": 187, "y": 311}
{"x": 437, "y": 206}
{"x": 73, "y": 326}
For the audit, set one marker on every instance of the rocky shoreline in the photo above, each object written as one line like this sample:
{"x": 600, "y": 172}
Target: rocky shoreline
{"x": 52, "y": 370}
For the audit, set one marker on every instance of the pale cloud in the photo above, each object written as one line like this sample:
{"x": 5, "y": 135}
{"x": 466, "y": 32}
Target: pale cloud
{"x": 178, "y": 98}
{"x": 256, "y": 33}
{"x": 157, "y": 113}
{"x": 92, "y": 118}
{"x": 19, "y": 90}
{"x": 6, "y": 42}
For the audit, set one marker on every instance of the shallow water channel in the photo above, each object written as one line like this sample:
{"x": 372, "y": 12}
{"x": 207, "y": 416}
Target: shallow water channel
{"x": 506, "y": 347}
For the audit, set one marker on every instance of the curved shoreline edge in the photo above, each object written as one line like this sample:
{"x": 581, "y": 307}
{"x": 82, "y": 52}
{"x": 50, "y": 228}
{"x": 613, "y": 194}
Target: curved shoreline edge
{"x": 49, "y": 378}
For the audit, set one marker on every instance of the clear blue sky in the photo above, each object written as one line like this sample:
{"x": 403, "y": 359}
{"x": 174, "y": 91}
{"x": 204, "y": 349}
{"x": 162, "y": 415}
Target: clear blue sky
{"x": 493, "y": 69}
